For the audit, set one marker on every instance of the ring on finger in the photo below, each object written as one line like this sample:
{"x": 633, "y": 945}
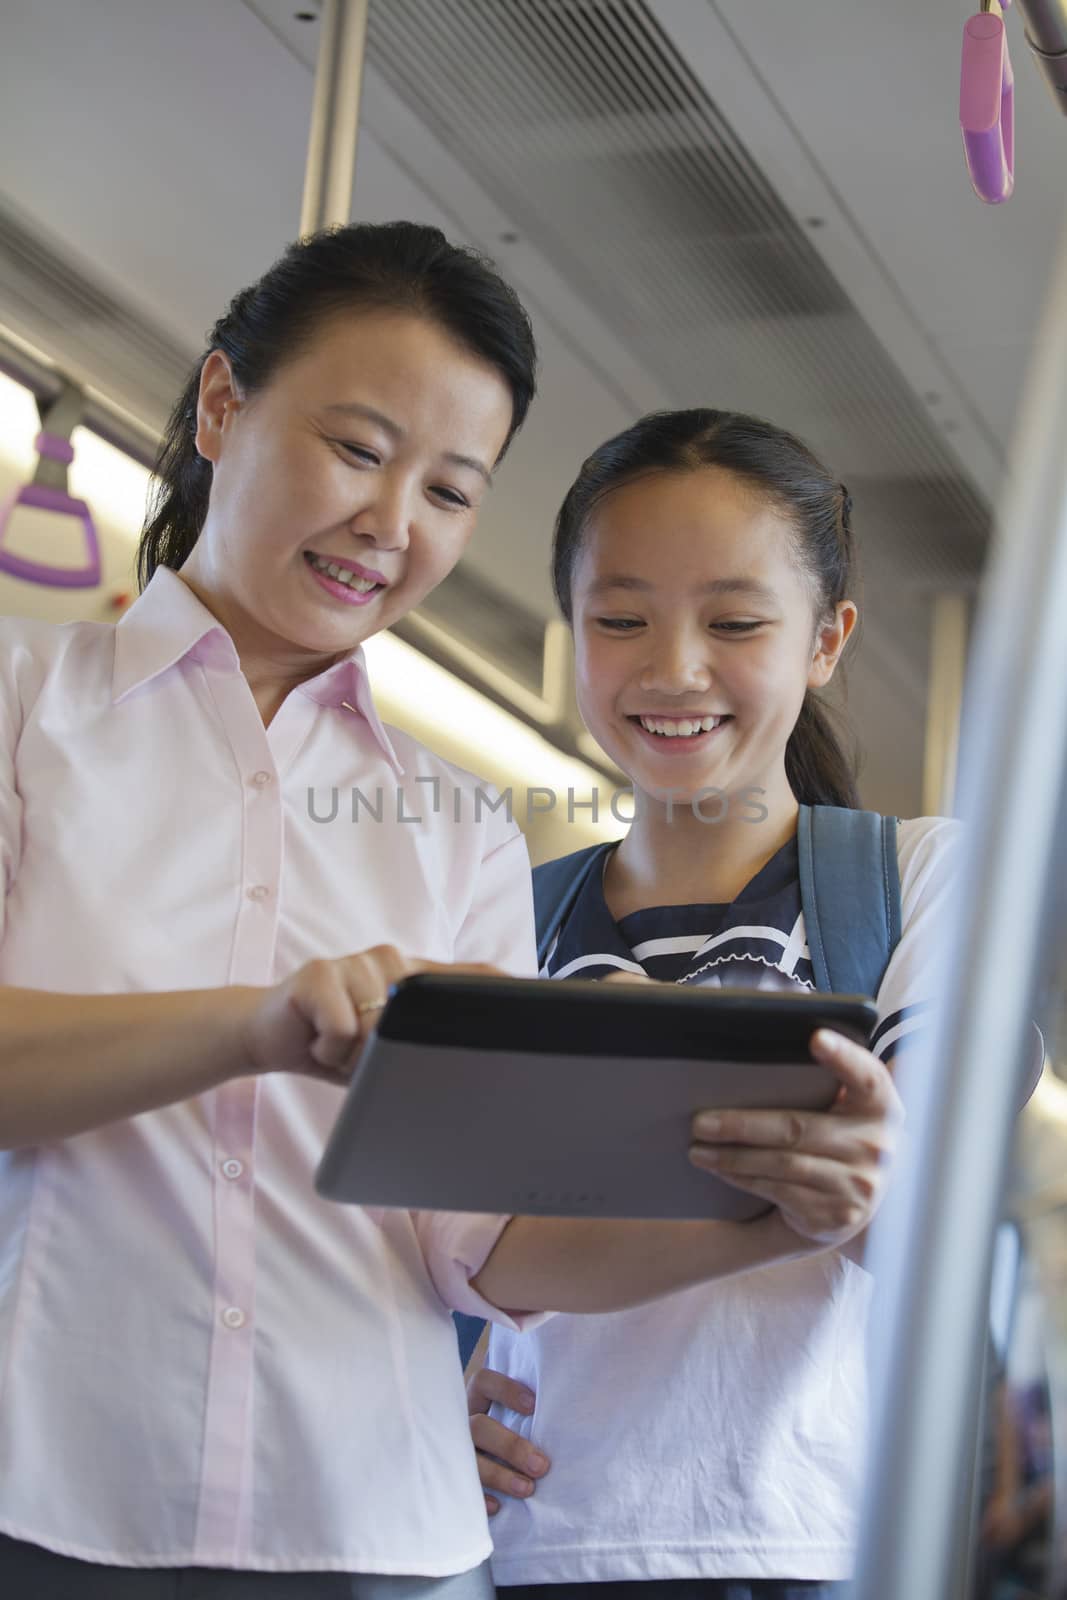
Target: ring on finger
{"x": 377, "y": 1004}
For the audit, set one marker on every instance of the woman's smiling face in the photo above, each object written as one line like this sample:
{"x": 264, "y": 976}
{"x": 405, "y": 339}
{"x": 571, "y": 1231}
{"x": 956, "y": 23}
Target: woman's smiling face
{"x": 369, "y": 452}
{"x": 695, "y": 633}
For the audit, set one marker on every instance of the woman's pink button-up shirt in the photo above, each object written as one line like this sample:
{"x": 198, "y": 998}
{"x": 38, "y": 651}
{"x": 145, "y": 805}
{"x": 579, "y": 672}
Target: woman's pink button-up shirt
{"x": 201, "y": 1362}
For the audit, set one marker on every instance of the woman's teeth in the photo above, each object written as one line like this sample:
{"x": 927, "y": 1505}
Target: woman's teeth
{"x": 682, "y": 729}
{"x": 342, "y": 574}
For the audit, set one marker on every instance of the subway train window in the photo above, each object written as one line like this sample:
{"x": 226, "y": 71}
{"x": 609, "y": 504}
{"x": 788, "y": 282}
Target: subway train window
{"x": 1020, "y": 1546}
{"x": 1017, "y": 1543}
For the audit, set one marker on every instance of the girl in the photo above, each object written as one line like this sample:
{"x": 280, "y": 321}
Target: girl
{"x": 714, "y": 1442}
{"x": 203, "y": 1365}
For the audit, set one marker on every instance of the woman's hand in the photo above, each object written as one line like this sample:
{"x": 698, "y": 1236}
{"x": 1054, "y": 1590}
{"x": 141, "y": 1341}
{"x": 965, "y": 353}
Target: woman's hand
{"x": 507, "y": 1463}
{"x": 825, "y": 1171}
{"x": 318, "y": 1020}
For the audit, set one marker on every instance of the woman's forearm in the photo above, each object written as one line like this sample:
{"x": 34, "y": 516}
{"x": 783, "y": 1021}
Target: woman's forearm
{"x": 69, "y": 1063}
{"x": 589, "y": 1265}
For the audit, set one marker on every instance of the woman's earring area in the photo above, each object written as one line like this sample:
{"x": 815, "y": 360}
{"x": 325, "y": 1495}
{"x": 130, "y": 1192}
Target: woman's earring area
{"x": 216, "y": 403}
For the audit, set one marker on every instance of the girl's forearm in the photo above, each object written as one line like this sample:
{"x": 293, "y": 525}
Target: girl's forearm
{"x": 590, "y": 1265}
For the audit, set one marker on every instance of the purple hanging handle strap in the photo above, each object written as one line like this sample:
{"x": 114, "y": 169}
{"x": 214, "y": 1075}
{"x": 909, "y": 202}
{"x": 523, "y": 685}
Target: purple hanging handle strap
{"x": 43, "y": 499}
{"x": 987, "y": 108}
{"x": 48, "y": 496}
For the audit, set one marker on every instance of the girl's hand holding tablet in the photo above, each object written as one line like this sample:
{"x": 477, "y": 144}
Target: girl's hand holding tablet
{"x": 825, "y": 1171}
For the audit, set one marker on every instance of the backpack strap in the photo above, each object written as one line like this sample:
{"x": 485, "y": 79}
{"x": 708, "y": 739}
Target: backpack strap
{"x": 556, "y": 887}
{"x": 850, "y": 895}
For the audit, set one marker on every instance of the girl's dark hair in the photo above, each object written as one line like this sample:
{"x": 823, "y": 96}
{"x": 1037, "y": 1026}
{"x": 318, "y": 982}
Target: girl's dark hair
{"x": 399, "y": 266}
{"x": 776, "y": 464}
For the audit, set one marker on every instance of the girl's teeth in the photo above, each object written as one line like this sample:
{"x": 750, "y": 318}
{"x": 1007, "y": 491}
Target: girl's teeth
{"x": 683, "y": 728}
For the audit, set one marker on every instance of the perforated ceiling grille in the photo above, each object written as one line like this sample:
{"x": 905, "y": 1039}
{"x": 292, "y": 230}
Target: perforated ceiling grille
{"x": 60, "y": 308}
{"x": 583, "y": 123}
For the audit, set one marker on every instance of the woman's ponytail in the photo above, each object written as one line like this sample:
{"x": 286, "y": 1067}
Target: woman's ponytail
{"x": 182, "y": 488}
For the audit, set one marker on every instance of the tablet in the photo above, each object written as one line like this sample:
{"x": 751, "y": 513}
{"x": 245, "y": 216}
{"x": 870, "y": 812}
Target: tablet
{"x": 568, "y": 1098}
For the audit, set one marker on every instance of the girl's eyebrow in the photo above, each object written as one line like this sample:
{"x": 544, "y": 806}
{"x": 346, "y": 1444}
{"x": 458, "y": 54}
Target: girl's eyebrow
{"x": 750, "y": 587}
{"x": 352, "y": 408}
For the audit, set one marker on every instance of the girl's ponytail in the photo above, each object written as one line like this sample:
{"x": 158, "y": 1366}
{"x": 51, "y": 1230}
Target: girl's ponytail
{"x": 819, "y": 772}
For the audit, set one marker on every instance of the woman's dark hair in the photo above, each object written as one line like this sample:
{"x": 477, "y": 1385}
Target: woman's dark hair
{"x": 776, "y": 464}
{"x": 400, "y": 266}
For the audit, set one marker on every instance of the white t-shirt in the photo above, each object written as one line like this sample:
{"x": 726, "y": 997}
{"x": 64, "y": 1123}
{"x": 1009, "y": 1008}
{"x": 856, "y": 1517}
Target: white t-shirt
{"x": 719, "y": 1432}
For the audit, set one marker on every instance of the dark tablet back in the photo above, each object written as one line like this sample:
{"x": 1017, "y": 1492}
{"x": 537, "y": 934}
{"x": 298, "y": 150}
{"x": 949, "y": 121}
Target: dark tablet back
{"x": 570, "y": 1099}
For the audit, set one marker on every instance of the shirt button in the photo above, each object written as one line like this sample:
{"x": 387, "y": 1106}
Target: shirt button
{"x": 260, "y": 778}
{"x": 233, "y": 1317}
{"x": 259, "y": 891}
{"x": 232, "y": 1168}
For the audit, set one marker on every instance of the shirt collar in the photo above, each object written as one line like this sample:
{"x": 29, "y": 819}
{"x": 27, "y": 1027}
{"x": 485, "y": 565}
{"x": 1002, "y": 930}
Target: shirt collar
{"x": 346, "y": 686}
{"x": 591, "y": 929}
{"x": 168, "y": 624}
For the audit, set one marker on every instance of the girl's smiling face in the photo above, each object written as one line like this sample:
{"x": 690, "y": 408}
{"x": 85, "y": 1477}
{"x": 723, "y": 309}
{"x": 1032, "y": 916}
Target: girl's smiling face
{"x": 370, "y": 452}
{"x": 696, "y": 633}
